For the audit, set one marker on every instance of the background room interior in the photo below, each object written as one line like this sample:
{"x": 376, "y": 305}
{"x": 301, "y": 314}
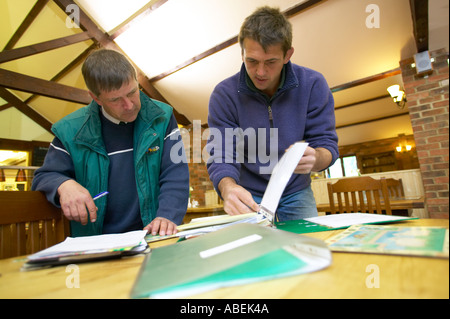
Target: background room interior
{"x": 182, "y": 49}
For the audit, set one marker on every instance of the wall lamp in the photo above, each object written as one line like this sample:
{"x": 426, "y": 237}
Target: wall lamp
{"x": 397, "y": 95}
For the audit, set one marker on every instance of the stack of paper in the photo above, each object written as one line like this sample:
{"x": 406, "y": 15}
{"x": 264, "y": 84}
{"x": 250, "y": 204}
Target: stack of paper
{"x": 204, "y": 225}
{"x": 234, "y": 255}
{"x": 89, "y": 248}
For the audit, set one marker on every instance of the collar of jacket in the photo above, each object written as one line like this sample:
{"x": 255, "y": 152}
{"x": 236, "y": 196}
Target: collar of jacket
{"x": 90, "y": 132}
{"x": 290, "y": 80}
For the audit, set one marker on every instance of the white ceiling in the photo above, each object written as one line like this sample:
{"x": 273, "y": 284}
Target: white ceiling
{"x": 331, "y": 37}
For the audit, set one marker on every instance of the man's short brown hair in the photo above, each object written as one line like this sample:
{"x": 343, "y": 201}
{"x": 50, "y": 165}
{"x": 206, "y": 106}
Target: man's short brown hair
{"x": 267, "y": 26}
{"x": 107, "y": 70}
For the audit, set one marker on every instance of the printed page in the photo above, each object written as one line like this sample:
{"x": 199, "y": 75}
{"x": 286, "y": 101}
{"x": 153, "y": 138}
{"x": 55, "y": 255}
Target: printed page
{"x": 345, "y": 220}
{"x": 280, "y": 177}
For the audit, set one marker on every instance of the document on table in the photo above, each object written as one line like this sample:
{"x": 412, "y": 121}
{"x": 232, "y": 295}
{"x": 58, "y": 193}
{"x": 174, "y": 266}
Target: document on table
{"x": 204, "y": 225}
{"x": 281, "y": 175}
{"x": 92, "y": 244}
{"x": 395, "y": 240}
{"x": 346, "y": 220}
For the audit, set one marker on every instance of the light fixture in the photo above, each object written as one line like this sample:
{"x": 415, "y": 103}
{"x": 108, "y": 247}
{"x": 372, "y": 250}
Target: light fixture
{"x": 403, "y": 148}
{"x": 397, "y": 95}
{"x": 403, "y": 145}
{"x": 21, "y": 176}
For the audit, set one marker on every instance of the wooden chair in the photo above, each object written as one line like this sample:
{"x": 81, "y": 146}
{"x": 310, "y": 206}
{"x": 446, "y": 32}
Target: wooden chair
{"x": 395, "y": 188}
{"x": 359, "y": 194}
{"x": 29, "y": 223}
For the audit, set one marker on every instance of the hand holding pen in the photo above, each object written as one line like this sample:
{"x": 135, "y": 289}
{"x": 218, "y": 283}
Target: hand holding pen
{"x": 77, "y": 203}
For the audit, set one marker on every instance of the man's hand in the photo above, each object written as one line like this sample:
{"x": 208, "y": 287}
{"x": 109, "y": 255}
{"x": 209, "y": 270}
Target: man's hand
{"x": 313, "y": 160}
{"x": 76, "y": 201}
{"x": 236, "y": 199}
{"x": 161, "y": 225}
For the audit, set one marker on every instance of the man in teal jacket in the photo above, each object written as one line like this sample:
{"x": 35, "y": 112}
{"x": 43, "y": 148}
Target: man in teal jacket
{"x": 121, "y": 143}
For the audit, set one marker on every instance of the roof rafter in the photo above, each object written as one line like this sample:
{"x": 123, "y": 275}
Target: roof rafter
{"x": 14, "y": 54}
{"x": 25, "y": 83}
{"x": 146, "y": 10}
{"x": 25, "y": 109}
{"x": 34, "y": 12}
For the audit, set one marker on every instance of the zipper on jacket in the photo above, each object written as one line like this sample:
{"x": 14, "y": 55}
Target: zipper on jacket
{"x": 269, "y": 108}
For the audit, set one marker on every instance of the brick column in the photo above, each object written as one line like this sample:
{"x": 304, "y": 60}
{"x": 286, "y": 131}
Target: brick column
{"x": 427, "y": 100}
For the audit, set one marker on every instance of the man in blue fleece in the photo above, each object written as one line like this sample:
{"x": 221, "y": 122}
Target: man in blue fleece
{"x": 264, "y": 109}
{"x": 120, "y": 143}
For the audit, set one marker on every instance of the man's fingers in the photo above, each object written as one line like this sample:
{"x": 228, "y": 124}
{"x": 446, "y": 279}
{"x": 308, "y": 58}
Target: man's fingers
{"x": 162, "y": 226}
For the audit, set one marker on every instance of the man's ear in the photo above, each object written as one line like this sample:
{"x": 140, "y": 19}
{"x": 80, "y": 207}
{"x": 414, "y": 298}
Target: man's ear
{"x": 288, "y": 55}
{"x": 95, "y": 98}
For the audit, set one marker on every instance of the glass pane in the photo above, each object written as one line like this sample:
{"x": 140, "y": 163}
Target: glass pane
{"x": 350, "y": 166}
{"x": 335, "y": 170}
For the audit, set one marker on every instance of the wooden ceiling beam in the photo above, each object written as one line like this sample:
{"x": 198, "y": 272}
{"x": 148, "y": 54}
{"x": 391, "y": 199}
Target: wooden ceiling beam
{"x": 419, "y": 14}
{"x": 296, "y": 9}
{"x": 138, "y": 16}
{"x": 14, "y": 54}
{"x": 79, "y": 59}
{"x": 25, "y": 109}
{"x": 34, "y": 12}
{"x": 104, "y": 40}
{"x": 25, "y": 83}
{"x": 366, "y": 80}
{"x": 373, "y": 120}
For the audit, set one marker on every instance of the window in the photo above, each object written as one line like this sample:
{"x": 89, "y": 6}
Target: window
{"x": 344, "y": 166}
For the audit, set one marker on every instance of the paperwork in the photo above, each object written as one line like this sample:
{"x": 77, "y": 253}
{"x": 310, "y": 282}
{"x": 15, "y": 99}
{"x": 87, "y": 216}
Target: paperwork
{"x": 346, "y": 220}
{"x": 336, "y": 221}
{"x": 397, "y": 240}
{"x": 205, "y": 225}
{"x": 89, "y": 248}
{"x": 281, "y": 175}
{"x": 235, "y": 255}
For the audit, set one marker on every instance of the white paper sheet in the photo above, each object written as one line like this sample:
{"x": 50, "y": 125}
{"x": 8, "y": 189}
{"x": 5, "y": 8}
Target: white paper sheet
{"x": 280, "y": 177}
{"x": 93, "y": 243}
{"x": 345, "y": 220}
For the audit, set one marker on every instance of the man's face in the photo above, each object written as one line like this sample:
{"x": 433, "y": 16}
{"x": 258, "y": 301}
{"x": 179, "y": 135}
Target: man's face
{"x": 264, "y": 67}
{"x": 122, "y": 104}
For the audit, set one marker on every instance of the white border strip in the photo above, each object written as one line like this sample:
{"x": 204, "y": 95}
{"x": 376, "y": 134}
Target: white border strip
{"x": 59, "y": 149}
{"x": 229, "y": 246}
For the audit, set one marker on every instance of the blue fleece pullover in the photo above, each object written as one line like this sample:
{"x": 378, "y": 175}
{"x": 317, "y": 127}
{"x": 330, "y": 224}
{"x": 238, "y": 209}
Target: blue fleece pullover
{"x": 301, "y": 109}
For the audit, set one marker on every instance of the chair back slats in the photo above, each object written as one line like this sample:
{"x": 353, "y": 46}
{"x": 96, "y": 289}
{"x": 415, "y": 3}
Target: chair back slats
{"x": 359, "y": 194}
{"x": 29, "y": 223}
{"x": 395, "y": 187}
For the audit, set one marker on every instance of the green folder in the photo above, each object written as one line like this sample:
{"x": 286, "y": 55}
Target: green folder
{"x": 339, "y": 221}
{"x": 235, "y": 255}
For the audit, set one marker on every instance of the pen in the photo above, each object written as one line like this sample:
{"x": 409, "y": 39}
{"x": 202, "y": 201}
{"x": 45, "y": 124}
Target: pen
{"x": 100, "y": 195}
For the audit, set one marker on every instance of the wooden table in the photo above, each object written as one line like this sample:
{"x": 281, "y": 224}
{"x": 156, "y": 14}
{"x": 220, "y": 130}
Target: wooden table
{"x": 203, "y": 211}
{"x": 396, "y": 204}
{"x": 400, "y": 277}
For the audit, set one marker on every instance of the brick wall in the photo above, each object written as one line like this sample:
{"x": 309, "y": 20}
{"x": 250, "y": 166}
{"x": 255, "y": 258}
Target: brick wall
{"x": 194, "y": 144}
{"x": 427, "y": 100}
